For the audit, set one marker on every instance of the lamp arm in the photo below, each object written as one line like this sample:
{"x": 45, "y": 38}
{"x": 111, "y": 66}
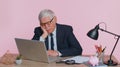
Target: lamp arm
{"x": 110, "y": 61}
{"x": 114, "y": 47}
{"x": 109, "y": 32}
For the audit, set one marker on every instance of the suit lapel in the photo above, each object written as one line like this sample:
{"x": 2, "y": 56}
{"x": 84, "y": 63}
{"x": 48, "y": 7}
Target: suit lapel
{"x": 59, "y": 35}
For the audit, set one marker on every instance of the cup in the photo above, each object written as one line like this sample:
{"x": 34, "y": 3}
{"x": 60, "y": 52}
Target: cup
{"x": 101, "y": 57}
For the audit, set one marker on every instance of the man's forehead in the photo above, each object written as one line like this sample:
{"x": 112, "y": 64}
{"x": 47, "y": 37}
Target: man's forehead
{"x": 45, "y": 19}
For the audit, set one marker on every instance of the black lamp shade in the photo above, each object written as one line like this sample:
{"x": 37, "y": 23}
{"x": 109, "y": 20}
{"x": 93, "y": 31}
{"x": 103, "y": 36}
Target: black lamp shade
{"x": 94, "y": 33}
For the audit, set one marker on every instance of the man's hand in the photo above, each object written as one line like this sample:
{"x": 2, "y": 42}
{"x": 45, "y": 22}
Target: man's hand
{"x": 52, "y": 53}
{"x": 45, "y": 33}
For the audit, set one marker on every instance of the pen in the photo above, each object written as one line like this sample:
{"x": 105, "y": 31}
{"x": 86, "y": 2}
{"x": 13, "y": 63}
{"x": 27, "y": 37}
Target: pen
{"x": 60, "y": 61}
{"x": 104, "y": 49}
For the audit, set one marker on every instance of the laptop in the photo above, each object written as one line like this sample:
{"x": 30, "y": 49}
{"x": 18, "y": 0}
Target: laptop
{"x": 34, "y": 50}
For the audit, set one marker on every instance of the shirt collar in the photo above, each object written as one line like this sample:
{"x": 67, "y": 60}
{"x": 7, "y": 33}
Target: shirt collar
{"x": 54, "y": 32}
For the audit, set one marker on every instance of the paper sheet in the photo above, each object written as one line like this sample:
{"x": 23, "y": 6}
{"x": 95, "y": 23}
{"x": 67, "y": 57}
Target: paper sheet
{"x": 78, "y": 59}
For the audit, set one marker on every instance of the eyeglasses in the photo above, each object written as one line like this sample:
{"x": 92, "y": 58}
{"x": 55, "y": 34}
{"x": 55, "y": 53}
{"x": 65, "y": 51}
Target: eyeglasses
{"x": 48, "y": 23}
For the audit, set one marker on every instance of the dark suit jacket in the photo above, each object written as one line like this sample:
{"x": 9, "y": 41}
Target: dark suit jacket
{"x": 67, "y": 43}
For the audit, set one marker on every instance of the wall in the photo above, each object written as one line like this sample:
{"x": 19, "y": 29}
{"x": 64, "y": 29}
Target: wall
{"x": 19, "y": 17}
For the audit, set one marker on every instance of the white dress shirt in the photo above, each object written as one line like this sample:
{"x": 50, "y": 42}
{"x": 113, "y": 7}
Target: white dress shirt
{"x": 49, "y": 41}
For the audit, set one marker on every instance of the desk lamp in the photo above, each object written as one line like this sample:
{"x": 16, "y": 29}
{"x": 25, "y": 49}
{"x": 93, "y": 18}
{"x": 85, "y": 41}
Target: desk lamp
{"x": 94, "y": 35}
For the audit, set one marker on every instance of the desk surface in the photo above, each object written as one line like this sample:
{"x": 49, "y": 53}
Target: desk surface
{"x": 27, "y": 63}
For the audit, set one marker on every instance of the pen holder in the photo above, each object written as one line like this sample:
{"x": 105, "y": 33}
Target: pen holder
{"x": 101, "y": 57}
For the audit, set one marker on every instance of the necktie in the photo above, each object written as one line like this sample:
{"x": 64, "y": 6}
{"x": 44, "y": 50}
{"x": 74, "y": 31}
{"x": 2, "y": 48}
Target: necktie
{"x": 52, "y": 42}
{"x": 46, "y": 43}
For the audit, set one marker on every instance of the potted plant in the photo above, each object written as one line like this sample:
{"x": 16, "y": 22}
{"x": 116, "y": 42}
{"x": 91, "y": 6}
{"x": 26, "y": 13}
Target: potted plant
{"x": 18, "y": 59}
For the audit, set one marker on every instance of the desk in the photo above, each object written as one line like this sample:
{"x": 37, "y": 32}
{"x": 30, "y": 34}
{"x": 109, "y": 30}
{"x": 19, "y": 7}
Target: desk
{"x": 27, "y": 63}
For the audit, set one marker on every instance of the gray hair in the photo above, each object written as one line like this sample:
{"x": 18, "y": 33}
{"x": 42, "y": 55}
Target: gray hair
{"x": 46, "y": 13}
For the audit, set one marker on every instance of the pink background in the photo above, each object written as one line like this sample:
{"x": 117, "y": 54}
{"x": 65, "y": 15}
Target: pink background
{"x": 18, "y": 18}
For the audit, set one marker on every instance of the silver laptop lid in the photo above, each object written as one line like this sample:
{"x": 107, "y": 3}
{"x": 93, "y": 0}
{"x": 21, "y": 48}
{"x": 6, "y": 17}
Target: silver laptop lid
{"x": 32, "y": 49}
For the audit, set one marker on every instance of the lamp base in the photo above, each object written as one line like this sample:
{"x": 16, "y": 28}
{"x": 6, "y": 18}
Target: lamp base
{"x": 111, "y": 63}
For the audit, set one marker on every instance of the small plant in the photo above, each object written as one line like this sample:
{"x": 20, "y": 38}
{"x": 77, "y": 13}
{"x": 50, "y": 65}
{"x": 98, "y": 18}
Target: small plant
{"x": 19, "y": 57}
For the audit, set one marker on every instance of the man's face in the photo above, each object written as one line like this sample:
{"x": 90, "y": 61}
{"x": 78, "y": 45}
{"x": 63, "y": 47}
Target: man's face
{"x": 48, "y": 24}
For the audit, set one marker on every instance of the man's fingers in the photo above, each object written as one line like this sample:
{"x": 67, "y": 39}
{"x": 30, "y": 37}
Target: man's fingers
{"x": 52, "y": 53}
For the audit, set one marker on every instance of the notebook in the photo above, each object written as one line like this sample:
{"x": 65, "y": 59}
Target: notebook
{"x": 34, "y": 50}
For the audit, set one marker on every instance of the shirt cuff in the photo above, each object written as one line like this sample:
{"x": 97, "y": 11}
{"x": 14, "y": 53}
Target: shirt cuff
{"x": 59, "y": 54}
{"x": 42, "y": 39}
